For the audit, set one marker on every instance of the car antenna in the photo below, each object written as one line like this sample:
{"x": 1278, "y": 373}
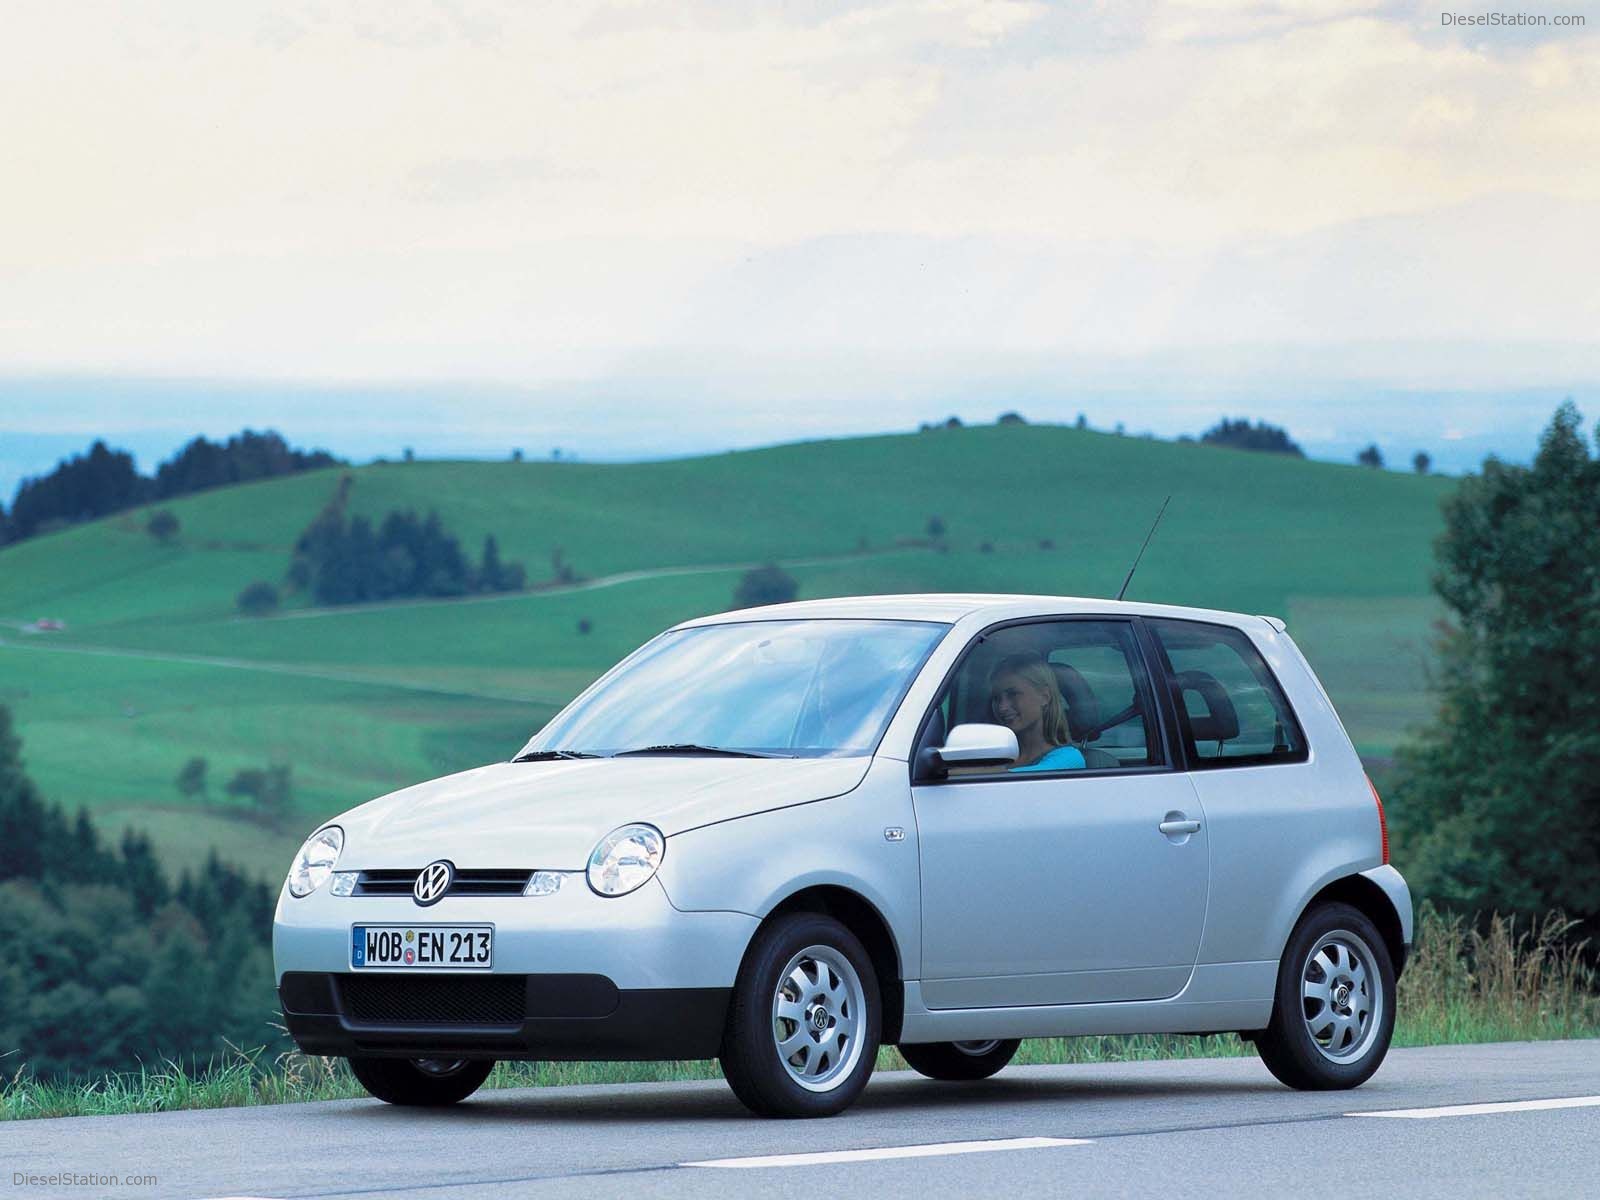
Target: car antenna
{"x": 1124, "y": 588}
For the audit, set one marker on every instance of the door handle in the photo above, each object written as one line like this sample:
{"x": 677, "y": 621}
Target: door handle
{"x": 1176, "y": 828}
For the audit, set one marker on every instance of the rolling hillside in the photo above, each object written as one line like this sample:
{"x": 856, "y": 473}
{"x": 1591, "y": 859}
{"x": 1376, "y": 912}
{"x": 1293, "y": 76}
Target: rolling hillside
{"x": 154, "y": 667}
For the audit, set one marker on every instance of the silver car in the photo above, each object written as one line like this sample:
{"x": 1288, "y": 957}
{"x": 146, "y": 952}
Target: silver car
{"x": 786, "y": 836}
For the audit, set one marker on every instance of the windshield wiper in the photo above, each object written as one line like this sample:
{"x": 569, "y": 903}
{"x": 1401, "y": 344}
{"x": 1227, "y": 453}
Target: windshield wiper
{"x": 692, "y": 748}
{"x": 547, "y": 755}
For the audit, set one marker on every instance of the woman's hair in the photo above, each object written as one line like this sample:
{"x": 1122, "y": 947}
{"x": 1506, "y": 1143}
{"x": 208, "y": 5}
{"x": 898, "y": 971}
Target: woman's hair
{"x": 1034, "y": 670}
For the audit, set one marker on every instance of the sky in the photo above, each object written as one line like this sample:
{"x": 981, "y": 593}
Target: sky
{"x": 664, "y": 227}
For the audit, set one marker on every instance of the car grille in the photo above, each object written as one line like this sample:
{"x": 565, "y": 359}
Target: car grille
{"x": 434, "y": 999}
{"x": 467, "y": 882}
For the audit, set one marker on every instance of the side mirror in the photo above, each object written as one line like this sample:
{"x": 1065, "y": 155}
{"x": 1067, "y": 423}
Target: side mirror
{"x": 970, "y": 746}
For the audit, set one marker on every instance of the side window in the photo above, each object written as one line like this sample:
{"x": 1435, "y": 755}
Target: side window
{"x": 1075, "y": 693}
{"x": 1230, "y": 709}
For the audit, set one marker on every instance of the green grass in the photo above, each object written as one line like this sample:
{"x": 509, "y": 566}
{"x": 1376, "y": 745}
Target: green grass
{"x": 1461, "y": 987}
{"x": 359, "y": 702}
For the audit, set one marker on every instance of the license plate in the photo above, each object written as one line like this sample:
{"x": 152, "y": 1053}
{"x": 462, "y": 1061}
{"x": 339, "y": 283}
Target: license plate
{"x": 452, "y": 947}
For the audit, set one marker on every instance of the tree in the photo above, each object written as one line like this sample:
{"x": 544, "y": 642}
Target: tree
{"x": 269, "y": 789}
{"x": 192, "y": 778}
{"x": 248, "y": 455}
{"x": 102, "y": 966}
{"x": 497, "y": 576}
{"x": 163, "y": 525}
{"x": 258, "y": 599}
{"x": 1498, "y": 801}
{"x": 1371, "y": 456}
{"x": 1011, "y": 418}
{"x": 561, "y": 568}
{"x": 1242, "y": 435}
{"x": 1421, "y": 462}
{"x": 765, "y": 585}
{"x": 141, "y": 874}
{"x": 81, "y": 488}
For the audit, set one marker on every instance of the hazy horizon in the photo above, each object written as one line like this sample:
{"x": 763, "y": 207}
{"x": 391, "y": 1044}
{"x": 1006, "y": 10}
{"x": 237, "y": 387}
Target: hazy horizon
{"x": 45, "y": 420}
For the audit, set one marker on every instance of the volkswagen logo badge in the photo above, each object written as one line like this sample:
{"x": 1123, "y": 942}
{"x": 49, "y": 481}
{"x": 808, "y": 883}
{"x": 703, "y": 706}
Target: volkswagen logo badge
{"x": 433, "y": 882}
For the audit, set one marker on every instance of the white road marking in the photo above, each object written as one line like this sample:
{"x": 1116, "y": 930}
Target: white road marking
{"x": 1473, "y": 1110}
{"x": 930, "y": 1150}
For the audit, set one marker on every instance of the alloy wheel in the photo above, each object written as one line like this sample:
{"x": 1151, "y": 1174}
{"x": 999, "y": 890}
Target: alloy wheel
{"x": 818, "y": 1018}
{"x": 1342, "y": 997}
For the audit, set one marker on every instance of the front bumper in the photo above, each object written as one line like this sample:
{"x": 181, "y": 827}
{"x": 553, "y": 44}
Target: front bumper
{"x": 574, "y": 1017}
{"x": 600, "y": 978}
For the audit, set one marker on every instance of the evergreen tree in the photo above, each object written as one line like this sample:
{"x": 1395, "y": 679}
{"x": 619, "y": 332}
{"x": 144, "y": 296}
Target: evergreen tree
{"x": 1242, "y": 435}
{"x": 101, "y": 969}
{"x": 247, "y": 455}
{"x": 1499, "y": 801}
{"x": 141, "y": 874}
{"x": 83, "y": 487}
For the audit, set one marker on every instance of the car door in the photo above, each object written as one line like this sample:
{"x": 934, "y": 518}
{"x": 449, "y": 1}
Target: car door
{"x": 1062, "y": 887}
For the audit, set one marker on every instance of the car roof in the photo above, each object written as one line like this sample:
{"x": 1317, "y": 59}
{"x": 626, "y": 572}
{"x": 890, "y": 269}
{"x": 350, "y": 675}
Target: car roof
{"x": 950, "y": 607}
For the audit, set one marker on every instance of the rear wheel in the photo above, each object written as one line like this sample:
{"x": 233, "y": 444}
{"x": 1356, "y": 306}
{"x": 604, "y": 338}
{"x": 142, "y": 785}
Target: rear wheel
{"x": 424, "y": 1082}
{"x": 1334, "y": 1012}
{"x": 803, "y": 1022}
{"x": 960, "y": 1060}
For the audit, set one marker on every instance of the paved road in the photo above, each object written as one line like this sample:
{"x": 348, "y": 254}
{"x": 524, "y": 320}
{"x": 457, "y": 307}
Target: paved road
{"x": 1212, "y": 1128}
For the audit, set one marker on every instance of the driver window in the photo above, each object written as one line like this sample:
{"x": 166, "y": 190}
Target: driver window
{"x": 1074, "y": 692}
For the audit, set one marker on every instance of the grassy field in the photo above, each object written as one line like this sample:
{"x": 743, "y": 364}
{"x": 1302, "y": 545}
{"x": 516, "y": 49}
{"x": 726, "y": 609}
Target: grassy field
{"x": 1461, "y": 986}
{"x": 155, "y": 667}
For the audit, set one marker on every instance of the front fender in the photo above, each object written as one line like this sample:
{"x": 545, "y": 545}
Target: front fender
{"x": 752, "y": 864}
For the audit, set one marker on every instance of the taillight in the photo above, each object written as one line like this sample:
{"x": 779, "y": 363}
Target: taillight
{"x": 1383, "y": 821}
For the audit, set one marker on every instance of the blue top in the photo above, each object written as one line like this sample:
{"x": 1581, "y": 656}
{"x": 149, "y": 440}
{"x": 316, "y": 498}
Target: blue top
{"x": 1061, "y": 758}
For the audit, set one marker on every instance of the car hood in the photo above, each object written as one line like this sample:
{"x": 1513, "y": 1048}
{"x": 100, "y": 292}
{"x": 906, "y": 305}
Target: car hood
{"x": 549, "y": 815}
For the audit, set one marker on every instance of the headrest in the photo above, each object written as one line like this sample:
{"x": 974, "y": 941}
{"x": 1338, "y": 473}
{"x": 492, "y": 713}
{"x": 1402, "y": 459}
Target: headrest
{"x": 1083, "y": 707}
{"x": 1220, "y": 722}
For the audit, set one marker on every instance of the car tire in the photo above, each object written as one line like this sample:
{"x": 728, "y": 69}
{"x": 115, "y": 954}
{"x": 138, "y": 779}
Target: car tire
{"x": 425, "y": 1083}
{"x": 956, "y": 1061}
{"x": 1333, "y": 1015}
{"x": 806, "y": 985}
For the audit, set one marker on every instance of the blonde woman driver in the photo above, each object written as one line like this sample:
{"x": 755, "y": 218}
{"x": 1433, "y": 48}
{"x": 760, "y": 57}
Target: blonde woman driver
{"x": 1024, "y": 697}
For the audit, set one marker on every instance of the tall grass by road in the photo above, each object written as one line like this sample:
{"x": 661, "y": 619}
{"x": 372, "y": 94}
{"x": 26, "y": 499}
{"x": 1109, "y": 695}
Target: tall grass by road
{"x": 1504, "y": 982}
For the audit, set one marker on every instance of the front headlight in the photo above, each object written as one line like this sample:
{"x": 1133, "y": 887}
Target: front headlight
{"x": 626, "y": 859}
{"x": 315, "y": 861}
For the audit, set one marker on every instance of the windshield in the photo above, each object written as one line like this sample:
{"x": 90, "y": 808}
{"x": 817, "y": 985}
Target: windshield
{"x": 788, "y": 688}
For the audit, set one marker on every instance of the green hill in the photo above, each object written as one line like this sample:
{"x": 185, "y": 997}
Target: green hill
{"x": 154, "y": 666}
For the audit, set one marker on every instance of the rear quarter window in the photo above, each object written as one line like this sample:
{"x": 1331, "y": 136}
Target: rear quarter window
{"x": 1231, "y": 711}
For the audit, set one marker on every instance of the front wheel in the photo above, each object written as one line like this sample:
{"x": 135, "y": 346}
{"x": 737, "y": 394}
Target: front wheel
{"x": 421, "y": 1082}
{"x": 1334, "y": 1012}
{"x": 960, "y": 1060}
{"x": 803, "y": 1022}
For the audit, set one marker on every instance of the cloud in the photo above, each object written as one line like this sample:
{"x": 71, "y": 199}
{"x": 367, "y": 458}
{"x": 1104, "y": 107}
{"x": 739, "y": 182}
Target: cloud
{"x": 403, "y": 187}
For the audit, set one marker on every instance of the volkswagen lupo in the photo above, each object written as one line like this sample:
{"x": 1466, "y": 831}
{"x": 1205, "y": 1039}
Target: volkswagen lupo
{"x": 786, "y": 836}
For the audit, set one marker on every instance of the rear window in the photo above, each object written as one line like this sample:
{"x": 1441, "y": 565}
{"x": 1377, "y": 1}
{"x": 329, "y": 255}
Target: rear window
{"x": 1231, "y": 711}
